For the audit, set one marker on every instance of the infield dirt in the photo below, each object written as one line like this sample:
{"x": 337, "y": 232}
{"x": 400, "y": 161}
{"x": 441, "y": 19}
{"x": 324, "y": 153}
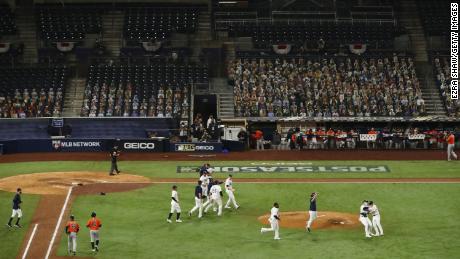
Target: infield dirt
{"x": 53, "y": 188}
{"x": 325, "y": 219}
{"x": 58, "y": 183}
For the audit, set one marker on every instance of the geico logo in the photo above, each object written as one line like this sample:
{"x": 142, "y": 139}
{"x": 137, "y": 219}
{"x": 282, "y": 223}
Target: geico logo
{"x": 204, "y": 148}
{"x": 139, "y": 145}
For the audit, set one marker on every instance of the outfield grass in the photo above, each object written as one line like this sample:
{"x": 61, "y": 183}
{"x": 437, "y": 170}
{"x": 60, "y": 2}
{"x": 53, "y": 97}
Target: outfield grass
{"x": 419, "y": 220}
{"x": 167, "y": 169}
{"x": 11, "y": 238}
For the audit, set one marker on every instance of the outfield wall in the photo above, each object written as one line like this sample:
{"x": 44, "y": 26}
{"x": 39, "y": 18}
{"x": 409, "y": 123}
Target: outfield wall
{"x": 125, "y": 145}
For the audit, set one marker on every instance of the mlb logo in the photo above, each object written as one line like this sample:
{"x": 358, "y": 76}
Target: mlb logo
{"x": 185, "y": 147}
{"x": 56, "y": 144}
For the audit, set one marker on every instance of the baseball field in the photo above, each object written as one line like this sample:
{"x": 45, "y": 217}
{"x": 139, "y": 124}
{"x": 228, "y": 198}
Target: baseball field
{"x": 417, "y": 201}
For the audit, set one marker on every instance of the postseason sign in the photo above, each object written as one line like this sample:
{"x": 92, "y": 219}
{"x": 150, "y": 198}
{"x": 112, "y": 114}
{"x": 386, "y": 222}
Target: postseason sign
{"x": 290, "y": 169}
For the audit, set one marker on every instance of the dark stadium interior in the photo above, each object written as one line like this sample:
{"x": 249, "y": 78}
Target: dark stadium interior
{"x": 194, "y": 71}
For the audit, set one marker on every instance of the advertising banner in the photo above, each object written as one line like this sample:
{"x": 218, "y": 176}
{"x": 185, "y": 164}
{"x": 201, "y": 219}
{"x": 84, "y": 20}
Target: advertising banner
{"x": 367, "y": 137}
{"x": 83, "y": 145}
{"x": 416, "y": 136}
{"x": 196, "y": 147}
{"x": 141, "y": 145}
{"x": 79, "y": 145}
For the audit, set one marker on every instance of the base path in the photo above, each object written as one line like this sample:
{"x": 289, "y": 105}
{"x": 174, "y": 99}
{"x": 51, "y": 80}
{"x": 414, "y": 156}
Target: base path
{"x": 53, "y": 188}
{"x": 269, "y": 155}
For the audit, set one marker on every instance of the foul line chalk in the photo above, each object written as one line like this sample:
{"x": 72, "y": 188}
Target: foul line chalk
{"x": 58, "y": 223}
{"x": 30, "y": 242}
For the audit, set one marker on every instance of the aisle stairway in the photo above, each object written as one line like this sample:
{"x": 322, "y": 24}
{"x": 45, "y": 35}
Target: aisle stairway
{"x": 224, "y": 92}
{"x": 112, "y": 29}
{"x": 203, "y": 32}
{"x": 430, "y": 92}
{"x": 73, "y": 99}
{"x": 409, "y": 18}
{"x": 27, "y": 33}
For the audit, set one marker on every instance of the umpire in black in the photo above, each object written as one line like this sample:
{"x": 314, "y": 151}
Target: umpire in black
{"x": 114, "y": 154}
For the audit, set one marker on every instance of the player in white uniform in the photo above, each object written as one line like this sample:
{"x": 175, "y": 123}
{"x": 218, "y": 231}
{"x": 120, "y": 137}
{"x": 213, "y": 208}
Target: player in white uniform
{"x": 229, "y": 190}
{"x": 174, "y": 205}
{"x": 204, "y": 184}
{"x": 364, "y": 219}
{"x": 216, "y": 198}
{"x": 274, "y": 218}
{"x": 312, "y": 210}
{"x": 374, "y": 211}
{"x": 198, "y": 200}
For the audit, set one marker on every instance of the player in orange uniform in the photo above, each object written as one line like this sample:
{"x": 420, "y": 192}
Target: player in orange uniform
{"x": 321, "y": 137}
{"x": 450, "y": 146}
{"x": 94, "y": 224}
{"x": 372, "y": 143}
{"x": 71, "y": 229}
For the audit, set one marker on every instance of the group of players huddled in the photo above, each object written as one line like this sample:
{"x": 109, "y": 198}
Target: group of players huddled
{"x": 208, "y": 194}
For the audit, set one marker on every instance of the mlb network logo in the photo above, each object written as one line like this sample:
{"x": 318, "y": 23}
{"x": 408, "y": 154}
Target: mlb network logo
{"x": 56, "y": 144}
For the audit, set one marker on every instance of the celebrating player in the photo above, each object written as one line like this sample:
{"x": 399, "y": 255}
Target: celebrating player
{"x": 312, "y": 211}
{"x": 229, "y": 190}
{"x": 364, "y": 219}
{"x": 274, "y": 218}
{"x": 204, "y": 179}
{"x": 94, "y": 224}
{"x": 216, "y": 198}
{"x": 198, "y": 200}
{"x": 174, "y": 205}
{"x": 16, "y": 209}
{"x": 374, "y": 211}
{"x": 71, "y": 229}
{"x": 204, "y": 168}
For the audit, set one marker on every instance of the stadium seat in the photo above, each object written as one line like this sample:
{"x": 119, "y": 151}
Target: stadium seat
{"x": 159, "y": 90}
{"x": 32, "y": 92}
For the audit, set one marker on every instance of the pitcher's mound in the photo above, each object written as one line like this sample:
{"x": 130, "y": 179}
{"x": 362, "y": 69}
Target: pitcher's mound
{"x": 58, "y": 182}
{"x": 326, "y": 219}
